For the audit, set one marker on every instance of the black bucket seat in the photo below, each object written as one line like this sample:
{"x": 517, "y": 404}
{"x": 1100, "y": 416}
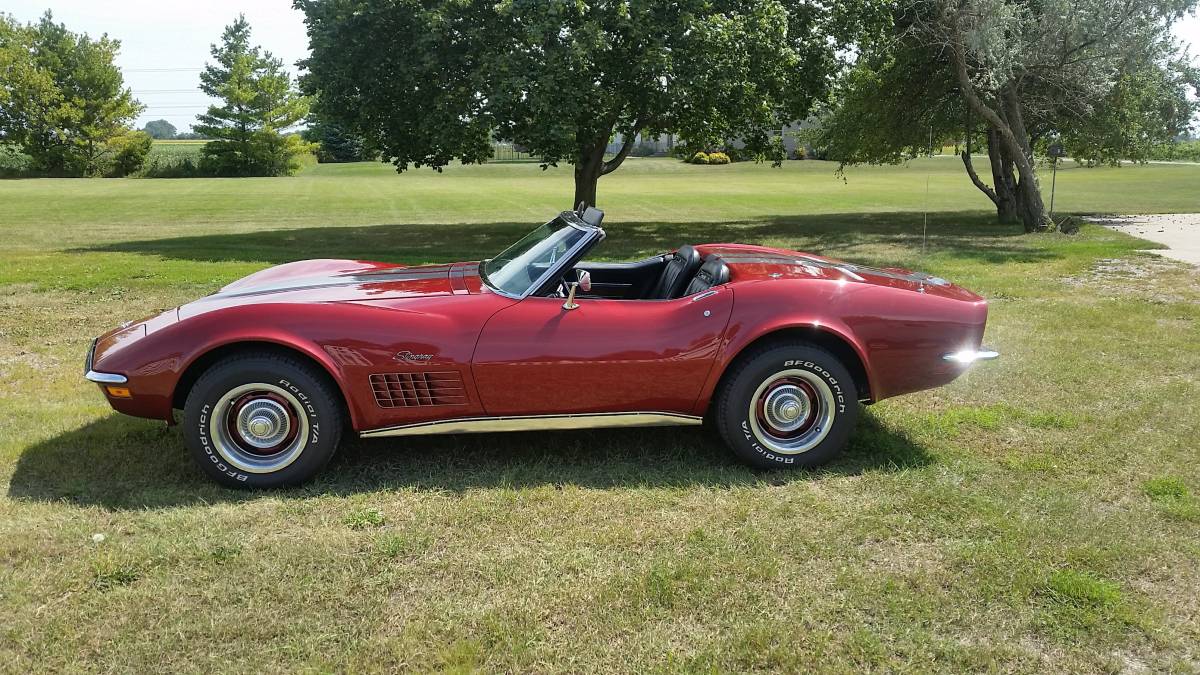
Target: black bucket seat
{"x": 680, "y": 268}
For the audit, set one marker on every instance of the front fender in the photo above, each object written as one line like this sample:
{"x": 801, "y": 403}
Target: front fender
{"x": 156, "y": 362}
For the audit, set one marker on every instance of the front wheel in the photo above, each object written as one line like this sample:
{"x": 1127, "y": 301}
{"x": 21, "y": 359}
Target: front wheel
{"x": 787, "y": 406}
{"x": 262, "y": 420}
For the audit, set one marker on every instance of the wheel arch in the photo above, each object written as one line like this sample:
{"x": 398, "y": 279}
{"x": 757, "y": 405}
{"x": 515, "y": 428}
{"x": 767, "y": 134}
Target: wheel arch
{"x": 206, "y": 359}
{"x": 837, "y": 344}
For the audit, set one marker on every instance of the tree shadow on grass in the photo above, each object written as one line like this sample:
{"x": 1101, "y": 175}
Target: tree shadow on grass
{"x": 874, "y": 238}
{"x": 124, "y": 463}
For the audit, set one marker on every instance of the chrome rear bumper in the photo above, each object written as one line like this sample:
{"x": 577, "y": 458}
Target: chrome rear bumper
{"x": 969, "y": 356}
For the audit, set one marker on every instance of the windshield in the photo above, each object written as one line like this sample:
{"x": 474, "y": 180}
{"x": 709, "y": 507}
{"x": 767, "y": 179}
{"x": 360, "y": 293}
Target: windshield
{"x": 516, "y": 269}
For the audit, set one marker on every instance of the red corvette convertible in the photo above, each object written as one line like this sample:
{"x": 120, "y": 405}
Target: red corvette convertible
{"x": 777, "y": 348}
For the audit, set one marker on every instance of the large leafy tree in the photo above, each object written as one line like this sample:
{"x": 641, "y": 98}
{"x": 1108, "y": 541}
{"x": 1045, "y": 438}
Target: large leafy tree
{"x": 1101, "y": 76}
{"x": 259, "y": 104}
{"x": 430, "y": 81}
{"x": 160, "y": 129}
{"x": 62, "y": 97}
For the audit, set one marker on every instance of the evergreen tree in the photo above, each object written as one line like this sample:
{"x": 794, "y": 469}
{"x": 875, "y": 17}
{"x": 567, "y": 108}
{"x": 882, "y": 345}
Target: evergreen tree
{"x": 335, "y": 144}
{"x": 260, "y": 103}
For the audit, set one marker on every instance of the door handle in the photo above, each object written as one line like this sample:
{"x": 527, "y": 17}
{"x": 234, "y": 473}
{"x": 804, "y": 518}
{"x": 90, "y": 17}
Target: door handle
{"x": 703, "y": 295}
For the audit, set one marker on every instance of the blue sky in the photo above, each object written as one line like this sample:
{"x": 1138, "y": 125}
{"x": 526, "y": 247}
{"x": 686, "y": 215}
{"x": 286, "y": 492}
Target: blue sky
{"x": 165, "y": 43}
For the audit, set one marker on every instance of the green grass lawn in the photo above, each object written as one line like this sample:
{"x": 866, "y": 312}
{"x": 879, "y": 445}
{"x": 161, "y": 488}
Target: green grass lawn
{"x": 1040, "y": 514}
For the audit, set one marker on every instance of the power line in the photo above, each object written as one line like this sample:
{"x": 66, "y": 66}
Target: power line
{"x": 162, "y": 70}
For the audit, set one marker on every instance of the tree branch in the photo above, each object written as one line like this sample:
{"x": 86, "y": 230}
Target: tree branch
{"x": 970, "y": 166}
{"x": 626, "y": 147}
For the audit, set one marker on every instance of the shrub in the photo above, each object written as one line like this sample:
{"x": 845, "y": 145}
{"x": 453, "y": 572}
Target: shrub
{"x": 718, "y": 158}
{"x": 13, "y": 162}
{"x": 799, "y": 153}
{"x": 736, "y": 154}
{"x": 699, "y": 158}
{"x": 129, "y": 153}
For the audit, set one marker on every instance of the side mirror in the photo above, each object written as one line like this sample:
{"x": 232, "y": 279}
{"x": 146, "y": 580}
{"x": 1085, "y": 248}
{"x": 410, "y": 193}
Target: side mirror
{"x": 570, "y": 303}
{"x": 584, "y": 284}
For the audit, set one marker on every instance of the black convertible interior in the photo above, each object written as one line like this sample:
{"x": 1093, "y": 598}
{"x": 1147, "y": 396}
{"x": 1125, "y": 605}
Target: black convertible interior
{"x": 663, "y": 277}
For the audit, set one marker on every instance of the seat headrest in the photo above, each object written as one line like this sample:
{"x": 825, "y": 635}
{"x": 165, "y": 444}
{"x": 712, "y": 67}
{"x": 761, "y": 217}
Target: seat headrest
{"x": 713, "y": 272}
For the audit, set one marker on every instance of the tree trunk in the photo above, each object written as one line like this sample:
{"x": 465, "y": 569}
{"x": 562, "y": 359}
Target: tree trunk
{"x": 1030, "y": 207}
{"x": 1008, "y": 122}
{"x": 588, "y": 168}
{"x": 1003, "y": 194}
{"x": 590, "y": 165}
{"x": 1002, "y": 177}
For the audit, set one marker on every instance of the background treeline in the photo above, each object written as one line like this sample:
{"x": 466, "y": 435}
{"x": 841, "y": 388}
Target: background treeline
{"x": 65, "y": 111}
{"x": 64, "y": 106}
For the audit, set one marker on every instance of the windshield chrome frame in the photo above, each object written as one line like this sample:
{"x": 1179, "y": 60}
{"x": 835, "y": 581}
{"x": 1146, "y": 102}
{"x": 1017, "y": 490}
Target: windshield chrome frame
{"x": 590, "y": 232}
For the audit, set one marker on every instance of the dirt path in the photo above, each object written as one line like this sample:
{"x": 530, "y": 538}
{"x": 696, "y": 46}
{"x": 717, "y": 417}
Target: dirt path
{"x": 1180, "y": 231}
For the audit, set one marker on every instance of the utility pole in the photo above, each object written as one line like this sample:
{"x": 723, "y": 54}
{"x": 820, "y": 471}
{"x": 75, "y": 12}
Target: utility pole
{"x": 1056, "y": 151}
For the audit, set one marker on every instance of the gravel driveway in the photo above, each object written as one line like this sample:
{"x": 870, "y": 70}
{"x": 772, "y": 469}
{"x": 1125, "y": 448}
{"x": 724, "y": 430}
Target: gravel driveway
{"x": 1180, "y": 231}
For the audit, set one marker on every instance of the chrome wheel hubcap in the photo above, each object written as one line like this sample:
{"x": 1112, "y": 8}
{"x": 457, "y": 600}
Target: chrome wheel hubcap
{"x": 792, "y": 411}
{"x": 262, "y": 423}
{"x": 259, "y": 428}
{"x": 786, "y": 407}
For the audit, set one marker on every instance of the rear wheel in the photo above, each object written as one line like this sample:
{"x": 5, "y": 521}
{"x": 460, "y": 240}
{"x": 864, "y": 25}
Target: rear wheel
{"x": 262, "y": 420}
{"x": 788, "y": 405}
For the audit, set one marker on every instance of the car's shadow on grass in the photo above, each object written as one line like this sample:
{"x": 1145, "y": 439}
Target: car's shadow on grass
{"x": 873, "y": 238}
{"x": 124, "y": 463}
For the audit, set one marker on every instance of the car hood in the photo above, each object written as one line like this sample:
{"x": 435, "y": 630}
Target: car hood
{"x": 330, "y": 281}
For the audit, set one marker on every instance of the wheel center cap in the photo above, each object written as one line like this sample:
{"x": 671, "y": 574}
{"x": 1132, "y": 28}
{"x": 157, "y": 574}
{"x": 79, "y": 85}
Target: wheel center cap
{"x": 263, "y": 423}
{"x": 787, "y": 407}
{"x": 261, "y": 427}
{"x": 789, "y": 410}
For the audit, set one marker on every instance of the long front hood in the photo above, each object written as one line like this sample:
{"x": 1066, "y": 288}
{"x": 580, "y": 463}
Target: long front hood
{"x": 329, "y": 281}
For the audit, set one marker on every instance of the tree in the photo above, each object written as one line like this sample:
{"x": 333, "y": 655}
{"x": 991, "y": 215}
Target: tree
{"x": 335, "y": 144}
{"x": 129, "y": 153}
{"x": 62, "y": 98}
{"x": 428, "y": 82}
{"x": 160, "y": 129}
{"x": 1014, "y": 75}
{"x": 260, "y": 103}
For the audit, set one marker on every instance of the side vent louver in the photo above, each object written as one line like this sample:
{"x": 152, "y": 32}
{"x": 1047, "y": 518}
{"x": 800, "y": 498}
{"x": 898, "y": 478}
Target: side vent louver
{"x": 403, "y": 390}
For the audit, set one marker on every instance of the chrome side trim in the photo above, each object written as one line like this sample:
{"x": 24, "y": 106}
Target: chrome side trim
{"x": 105, "y": 378}
{"x": 969, "y": 356}
{"x": 471, "y": 425}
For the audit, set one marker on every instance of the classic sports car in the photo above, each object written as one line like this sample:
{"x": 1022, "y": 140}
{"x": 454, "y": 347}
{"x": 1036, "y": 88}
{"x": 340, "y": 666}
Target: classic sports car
{"x": 776, "y": 348}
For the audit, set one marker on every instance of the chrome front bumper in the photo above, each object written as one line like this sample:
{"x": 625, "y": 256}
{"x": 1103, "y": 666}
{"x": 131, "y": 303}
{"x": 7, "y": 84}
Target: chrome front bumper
{"x": 100, "y": 378}
{"x": 968, "y": 356}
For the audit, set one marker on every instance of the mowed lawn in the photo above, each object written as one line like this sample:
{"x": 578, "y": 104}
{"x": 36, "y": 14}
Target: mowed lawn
{"x": 1040, "y": 514}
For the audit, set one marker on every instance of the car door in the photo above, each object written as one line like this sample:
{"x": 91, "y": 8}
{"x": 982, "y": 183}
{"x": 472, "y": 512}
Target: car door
{"x": 535, "y": 357}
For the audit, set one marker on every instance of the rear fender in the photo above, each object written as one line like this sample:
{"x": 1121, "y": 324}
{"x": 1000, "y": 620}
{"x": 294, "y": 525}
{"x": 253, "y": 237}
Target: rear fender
{"x": 739, "y": 338}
